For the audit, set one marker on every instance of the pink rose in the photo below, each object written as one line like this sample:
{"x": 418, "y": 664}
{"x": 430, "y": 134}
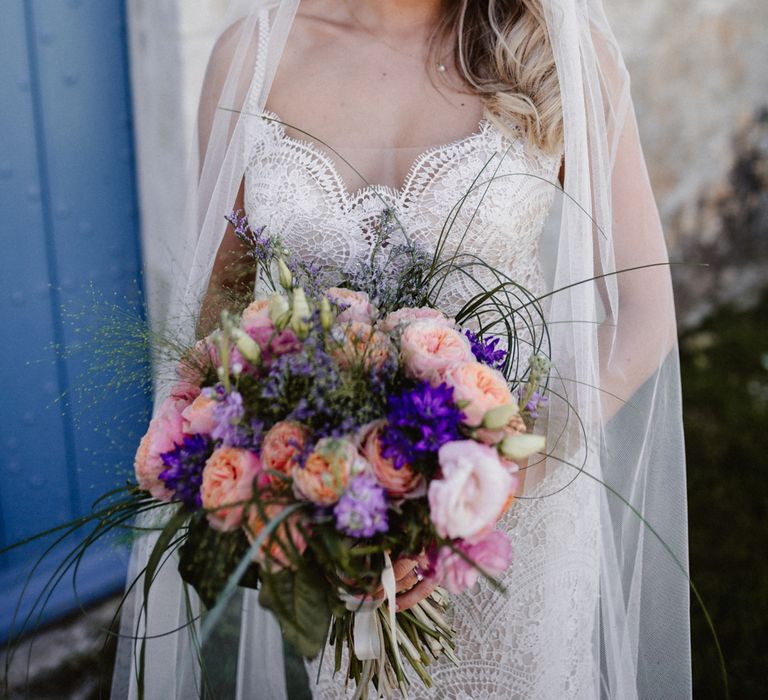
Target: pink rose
{"x": 356, "y": 306}
{"x": 275, "y": 550}
{"x": 474, "y": 489}
{"x": 397, "y": 482}
{"x": 480, "y": 386}
{"x": 492, "y": 554}
{"x": 228, "y": 478}
{"x": 198, "y": 416}
{"x": 281, "y": 449}
{"x": 429, "y": 348}
{"x": 408, "y": 314}
{"x": 165, "y": 430}
{"x": 327, "y": 471}
{"x": 358, "y": 342}
{"x": 198, "y": 362}
{"x": 257, "y": 323}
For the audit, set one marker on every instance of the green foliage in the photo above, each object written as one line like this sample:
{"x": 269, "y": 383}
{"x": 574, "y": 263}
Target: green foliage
{"x": 208, "y": 558}
{"x": 298, "y": 600}
{"x": 724, "y": 366}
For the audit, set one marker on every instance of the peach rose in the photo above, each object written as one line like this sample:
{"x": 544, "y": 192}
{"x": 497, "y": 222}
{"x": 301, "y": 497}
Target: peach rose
{"x": 429, "y": 348}
{"x": 256, "y": 314}
{"x": 327, "y": 471}
{"x": 165, "y": 430}
{"x": 397, "y": 482}
{"x": 272, "y": 552}
{"x": 480, "y": 386}
{"x": 281, "y": 448}
{"x": 359, "y": 342}
{"x": 473, "y": 491}
{"x": 409, "y": 314}
{"x": 356, "y": 306}
{"x": 228, "y": 478}
{"x": 198, "y": 416}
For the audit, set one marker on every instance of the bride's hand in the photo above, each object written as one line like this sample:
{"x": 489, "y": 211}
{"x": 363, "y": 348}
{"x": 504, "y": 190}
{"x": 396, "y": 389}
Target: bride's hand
{"x": 410, "y": 584}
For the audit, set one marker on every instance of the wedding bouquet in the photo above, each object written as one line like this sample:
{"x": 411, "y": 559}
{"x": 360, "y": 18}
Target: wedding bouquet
{"x": 317, "y": 437}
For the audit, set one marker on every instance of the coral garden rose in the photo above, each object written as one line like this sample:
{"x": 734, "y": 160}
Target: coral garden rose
{"x": 198, "y": 416}
{"x": 286, "y": 541}
{"x": 356, "y": 306}
{"x": 408, "y": 314}
{"x": 327, "y": 470}
{"x": 429, "y": 348}
{"x": 477, "y": 388}
{"x": 256, "y": 314}
{"x": 228, "y": 478}
{"x": 359, "y": 342}
{"x": 396, "y": 482}
{"x": 491, "y": 554}
{"x": 165, "y": 430}
{"x": 472, "y": 492}
{"x": 281, "y": 448}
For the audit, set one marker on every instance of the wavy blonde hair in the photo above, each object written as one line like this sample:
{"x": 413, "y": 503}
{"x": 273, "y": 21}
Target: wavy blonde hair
{"x": 503, "y": 53}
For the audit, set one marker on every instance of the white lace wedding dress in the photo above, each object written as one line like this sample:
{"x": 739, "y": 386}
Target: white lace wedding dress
{"x": 536, "y": 640}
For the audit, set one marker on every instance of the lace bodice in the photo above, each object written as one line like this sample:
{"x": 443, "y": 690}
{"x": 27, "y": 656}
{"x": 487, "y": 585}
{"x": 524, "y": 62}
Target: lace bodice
{"x": 294, "y": 188}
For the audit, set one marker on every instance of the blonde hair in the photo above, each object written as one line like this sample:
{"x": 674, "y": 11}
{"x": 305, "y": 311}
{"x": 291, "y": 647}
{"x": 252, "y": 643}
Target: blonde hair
{"x": 502, "y": 51}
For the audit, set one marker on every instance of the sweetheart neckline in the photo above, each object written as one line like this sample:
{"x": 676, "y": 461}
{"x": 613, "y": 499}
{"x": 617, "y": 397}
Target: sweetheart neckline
{"x": 399, "y": 194}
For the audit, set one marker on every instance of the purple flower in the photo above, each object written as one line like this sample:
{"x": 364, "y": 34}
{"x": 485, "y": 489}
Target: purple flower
{"x": 485, "y": 350}
{"x": 228, "y": 414}
{"x": 362, "y": 509}
{"x": 184, "y": 469}
{"x": 535, "y": 401}
{"x": 261, "y": 247}
{"x": 419, "y": 422}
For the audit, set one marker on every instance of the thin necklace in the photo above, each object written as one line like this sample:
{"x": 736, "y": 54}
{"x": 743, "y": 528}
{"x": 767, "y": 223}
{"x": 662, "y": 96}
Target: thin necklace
{"x": 439, "y": 65}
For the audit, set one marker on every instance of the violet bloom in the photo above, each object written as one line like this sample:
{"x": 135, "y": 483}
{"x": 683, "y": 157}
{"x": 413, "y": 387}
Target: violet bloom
{"x": 228, "y": 415}
{"x": 485, "y": 350}
{"x": 362, "y": 509}
{"x": 184, "y": 469}
{"x": 419, "y": 422}
{"x": 535, "y": 401}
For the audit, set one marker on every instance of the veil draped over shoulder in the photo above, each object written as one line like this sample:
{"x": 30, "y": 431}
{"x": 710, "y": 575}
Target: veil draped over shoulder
{"x": 612, "y": 341}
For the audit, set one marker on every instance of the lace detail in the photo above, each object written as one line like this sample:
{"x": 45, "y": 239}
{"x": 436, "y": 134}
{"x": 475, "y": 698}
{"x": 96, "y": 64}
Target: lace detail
{"x": 294, "y": 188}
{"x": 535, "y": 641}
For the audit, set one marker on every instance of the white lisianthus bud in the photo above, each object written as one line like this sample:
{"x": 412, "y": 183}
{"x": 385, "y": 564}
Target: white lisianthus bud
{"x": 326, "y": 314}
{"x": 279, "y": 310}
{"x": 247, "y": 346}
{"x": 285, "y": 275}
{"x": 521, "y": 446}
{"x": 498, "y": 418}
{"x": 300, "y": 313}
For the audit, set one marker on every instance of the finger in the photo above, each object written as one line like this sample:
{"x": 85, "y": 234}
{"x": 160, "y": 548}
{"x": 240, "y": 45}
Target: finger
{"x": 416, "y": 594}
{"x": 409, "y": 580}
{"x": 402, "y": 567}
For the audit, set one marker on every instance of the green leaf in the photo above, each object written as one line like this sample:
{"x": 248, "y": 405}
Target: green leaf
{"x": 208, "y": 557}
{"x": 298, "y": 600}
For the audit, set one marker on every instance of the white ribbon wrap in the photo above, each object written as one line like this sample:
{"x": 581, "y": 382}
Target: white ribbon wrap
{"x": 367, "y": 631}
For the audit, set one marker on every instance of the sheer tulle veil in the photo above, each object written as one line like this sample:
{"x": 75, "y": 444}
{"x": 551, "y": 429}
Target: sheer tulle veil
{"x": 612, "y": 339}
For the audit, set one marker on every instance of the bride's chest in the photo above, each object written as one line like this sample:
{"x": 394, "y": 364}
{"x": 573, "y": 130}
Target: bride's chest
{"x": 485, "y": 194}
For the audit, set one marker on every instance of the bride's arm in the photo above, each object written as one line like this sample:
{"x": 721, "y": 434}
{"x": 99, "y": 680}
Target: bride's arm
{"x": 232, "y": 277}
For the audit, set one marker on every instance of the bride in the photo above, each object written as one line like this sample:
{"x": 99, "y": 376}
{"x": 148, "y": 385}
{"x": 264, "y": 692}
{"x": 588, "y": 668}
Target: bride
{"x": 325, "y": 119}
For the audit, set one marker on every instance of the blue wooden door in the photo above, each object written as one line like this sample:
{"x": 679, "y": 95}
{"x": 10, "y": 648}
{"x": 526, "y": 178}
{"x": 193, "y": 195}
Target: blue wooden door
{"x": 69, "y": 248}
